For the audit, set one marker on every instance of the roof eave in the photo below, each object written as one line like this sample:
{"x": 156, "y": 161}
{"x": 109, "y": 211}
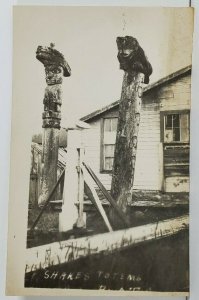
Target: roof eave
{"x": 148, "y": 88}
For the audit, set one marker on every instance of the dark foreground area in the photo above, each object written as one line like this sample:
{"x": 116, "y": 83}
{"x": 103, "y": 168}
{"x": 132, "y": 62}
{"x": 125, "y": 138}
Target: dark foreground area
{"x": 159, "y": 265}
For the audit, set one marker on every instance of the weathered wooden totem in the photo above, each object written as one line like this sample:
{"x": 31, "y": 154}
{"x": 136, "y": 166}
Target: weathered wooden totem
{"x": 55, "y": 68}
{"x": 137, "y": 70}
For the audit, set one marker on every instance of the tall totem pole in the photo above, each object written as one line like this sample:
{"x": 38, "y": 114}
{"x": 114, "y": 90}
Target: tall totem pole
{"x": 137, "y": 70}
{"x": 55, "y": 68}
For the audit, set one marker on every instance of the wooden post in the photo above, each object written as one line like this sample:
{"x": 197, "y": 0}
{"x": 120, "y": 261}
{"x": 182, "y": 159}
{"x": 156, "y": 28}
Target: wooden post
{"x": 69, "y": 214}
{"x": 137, "y": 70}
{"x": 81, "y": 216}
{"x": 73, "y": 183}
{"x": 55, "y": 68}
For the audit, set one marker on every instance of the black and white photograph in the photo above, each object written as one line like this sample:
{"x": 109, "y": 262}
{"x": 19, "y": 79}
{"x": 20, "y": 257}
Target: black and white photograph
{"x": 101, "y": 120}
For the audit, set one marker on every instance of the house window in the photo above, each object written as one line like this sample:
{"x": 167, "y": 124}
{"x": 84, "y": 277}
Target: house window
{"x": 176, "y": 127}
{"x": 109, "y": 130}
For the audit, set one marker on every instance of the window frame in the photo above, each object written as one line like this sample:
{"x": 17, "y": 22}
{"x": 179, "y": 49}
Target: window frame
{"x": 102, "y": 161}
{"x": 162, "y": 125}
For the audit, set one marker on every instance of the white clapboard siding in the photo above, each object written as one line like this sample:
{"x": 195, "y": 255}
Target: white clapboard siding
{"x": 147, "y": 164}
{"x": 147, "y": 175}
{"x": 181, "y": 93}
{"x": 91, "y": 138}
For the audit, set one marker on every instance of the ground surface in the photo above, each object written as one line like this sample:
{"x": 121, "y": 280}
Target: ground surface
{"x": 146, "y": 207}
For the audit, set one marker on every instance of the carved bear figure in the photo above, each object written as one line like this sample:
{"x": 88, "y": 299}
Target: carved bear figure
{"x": 132, "y": 57}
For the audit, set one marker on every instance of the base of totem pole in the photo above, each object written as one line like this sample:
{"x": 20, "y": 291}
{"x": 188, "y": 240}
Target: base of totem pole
{"x": 117, "y": 223}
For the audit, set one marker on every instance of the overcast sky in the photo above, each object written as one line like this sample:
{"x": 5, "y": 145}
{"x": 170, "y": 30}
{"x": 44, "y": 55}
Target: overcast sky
{"x": 87, "y": 38}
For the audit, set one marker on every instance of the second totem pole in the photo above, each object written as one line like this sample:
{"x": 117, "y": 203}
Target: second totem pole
{"x": 137, "y": 70}
{"x": 56, "y": 68}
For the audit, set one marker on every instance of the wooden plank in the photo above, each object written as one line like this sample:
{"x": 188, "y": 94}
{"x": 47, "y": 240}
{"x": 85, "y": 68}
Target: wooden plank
{"x": 145, "y": 203}
{"x": 121, "y": 215}
{"x": 177, "y": 184}
{"x": 176, "y": 170}
{"x": 96, "y": 199}
{"x": 176, "y": 150}
{"x": 57, "y": 253}
{"x": 176, "y": 159}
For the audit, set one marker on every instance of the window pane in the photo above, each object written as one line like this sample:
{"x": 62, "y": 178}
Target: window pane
{"x": 109, "y": 138}
{"x": 176, "y": 134}
{"x": 168, "y": 136}
{"x": 176, "y": 121}
{"x": 168, "y": 121}
{"x": 109, "y": 150}
{"x": 175, "y": 128}
{"x": 114, "y": 124}
{"x": 184, "y": 135}
{"x": 184, "y": 124}
{"x": 108, "y": 164}
{"x": 184, "y": 120}
{"x": 107, "y": 124}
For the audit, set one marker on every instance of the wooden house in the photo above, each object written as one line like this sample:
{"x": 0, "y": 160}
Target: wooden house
{"x": 162, "y": 162}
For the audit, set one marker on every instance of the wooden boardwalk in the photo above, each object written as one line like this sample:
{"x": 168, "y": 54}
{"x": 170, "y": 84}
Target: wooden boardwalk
{"x": 44, "y": 256}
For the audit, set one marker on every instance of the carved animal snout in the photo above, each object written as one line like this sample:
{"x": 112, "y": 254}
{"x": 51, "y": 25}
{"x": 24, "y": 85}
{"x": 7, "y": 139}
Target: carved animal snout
{"x": 125, "y": 52}
{"x": 49, "y": 75}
